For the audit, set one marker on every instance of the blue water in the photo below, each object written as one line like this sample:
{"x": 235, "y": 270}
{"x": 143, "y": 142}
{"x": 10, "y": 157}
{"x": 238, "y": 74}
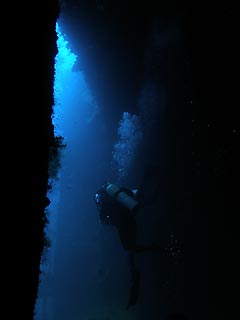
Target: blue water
{"x": 85, "y": 273}
{"x": 80, "y": 278}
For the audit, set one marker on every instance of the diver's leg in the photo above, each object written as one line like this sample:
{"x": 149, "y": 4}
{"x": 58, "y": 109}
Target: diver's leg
{"x": 135, "y": 279}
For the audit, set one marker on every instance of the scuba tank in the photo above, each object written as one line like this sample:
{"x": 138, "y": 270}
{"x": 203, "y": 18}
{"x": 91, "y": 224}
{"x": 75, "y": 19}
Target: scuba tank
{"x": 122, "y": 196}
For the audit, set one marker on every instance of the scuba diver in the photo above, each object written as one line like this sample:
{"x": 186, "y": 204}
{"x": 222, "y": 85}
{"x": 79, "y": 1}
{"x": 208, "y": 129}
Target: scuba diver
{"x": 118, "y": 207}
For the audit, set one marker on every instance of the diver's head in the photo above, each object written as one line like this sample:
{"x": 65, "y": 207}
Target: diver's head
{"x": 100, "y": 203}
{"x": 97, "y": 198}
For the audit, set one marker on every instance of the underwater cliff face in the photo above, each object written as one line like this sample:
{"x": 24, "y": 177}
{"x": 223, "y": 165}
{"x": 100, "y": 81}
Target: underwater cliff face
{"x": 122, "y": 52}
{"x": 32, "y": 62}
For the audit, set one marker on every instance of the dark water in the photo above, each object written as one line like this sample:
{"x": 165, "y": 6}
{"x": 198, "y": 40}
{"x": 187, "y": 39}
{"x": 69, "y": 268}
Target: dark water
{"x": 87, "y": 274}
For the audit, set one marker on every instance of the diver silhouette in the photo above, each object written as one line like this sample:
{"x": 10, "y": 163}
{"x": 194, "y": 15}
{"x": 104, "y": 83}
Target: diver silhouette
{"x": 118, "y": 206}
